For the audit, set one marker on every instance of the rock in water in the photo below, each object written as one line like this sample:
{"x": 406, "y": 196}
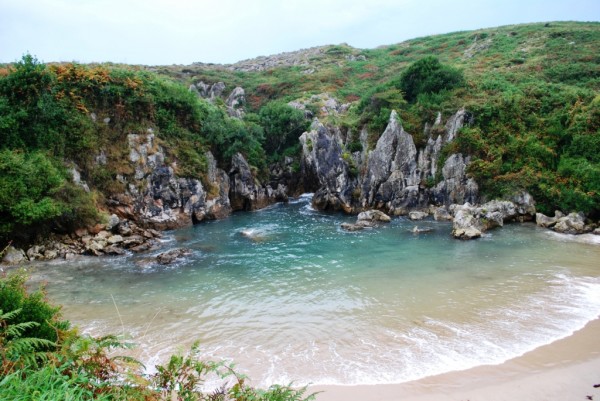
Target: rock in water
{"x": 415, "y": 215}
{"x": 169, "y": 257}
{"x": 374, "y": 215}
{"x": 13, "y": 256}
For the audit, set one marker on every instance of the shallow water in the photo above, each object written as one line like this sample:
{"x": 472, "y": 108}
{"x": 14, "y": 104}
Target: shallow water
{"x": 288, "y": 295}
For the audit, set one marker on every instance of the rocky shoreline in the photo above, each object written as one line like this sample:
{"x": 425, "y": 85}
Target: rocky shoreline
{"x": 392, "y": 178}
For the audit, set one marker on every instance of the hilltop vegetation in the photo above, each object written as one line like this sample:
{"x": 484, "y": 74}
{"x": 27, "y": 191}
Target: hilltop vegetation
{"x": 532, "y": 91}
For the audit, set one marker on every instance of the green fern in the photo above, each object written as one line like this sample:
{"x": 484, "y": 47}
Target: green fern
{"x": 17, "y": 351}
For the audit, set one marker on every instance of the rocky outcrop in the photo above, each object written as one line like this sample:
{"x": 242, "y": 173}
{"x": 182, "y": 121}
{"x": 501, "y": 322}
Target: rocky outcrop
{"x": 394, "y": 177}
{"x": 246, "y": 192}
{"x": 367, "y": 219}
{"x": 206, "y": 91}
{"x": 472, "y": 221}
{"x": 157, "y": 197}
{"x": 235, "y": 102}
{"x": 325, "y": 169}
{"x": 573, "y": 223}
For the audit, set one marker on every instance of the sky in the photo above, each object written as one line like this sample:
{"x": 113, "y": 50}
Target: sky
{"x": 161, "y": 32}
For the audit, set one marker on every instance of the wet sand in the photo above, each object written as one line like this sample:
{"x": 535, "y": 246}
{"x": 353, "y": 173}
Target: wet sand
{"x": 565, "y": 370}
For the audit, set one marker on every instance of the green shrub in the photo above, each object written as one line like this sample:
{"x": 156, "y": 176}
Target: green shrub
{"x": 428, "y": 75}
{"x": 282, "y": 125}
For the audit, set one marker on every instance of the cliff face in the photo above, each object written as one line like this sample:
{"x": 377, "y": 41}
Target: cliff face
{"x": 394, "y": 177}
{"x": 157, "y": 197}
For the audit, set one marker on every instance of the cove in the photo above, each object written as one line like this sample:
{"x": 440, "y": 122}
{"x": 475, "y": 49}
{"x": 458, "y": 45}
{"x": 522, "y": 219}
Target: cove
{"x": 288, "y": 295}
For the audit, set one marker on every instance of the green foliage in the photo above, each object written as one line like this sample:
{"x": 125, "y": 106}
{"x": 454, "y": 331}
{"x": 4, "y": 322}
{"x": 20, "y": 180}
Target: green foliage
{"x": 32, "y": 307}
{"x": 35, "y": 193}
{"x": 282, "y": 125}
{"x": 428, "y": 75}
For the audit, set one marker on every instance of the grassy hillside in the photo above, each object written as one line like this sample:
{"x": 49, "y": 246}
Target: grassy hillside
{"x": 532, "y": 89}
{"x": 533, "y": 92}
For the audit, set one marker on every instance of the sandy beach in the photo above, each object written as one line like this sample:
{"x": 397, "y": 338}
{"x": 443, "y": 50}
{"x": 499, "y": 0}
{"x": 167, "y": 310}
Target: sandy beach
{"x": 565, "y": 370}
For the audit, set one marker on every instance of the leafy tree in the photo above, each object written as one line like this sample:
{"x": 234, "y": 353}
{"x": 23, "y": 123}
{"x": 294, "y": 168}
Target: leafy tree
{"x": 428, "y": 75}
{"x": 282, "y": 125}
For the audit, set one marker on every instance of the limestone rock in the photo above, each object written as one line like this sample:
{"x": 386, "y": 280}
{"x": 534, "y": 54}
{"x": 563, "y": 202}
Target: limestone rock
{"x": 374, "y": 215}
{"x": 442, "y": 214}
{"x": 573, "y": 223}
{"x": 235, "y": 102}
{"x": 465, "y": 224}
{"x": 171, "y": 256}
{"x": 416, "y": 215}
{"x": 545, "y": 221}
{"x": 245, "y": 192}
{"x": 13, "y": 256}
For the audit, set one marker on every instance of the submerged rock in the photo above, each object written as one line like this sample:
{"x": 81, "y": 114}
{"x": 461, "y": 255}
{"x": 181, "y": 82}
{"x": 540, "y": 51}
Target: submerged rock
{"x": 166, "y": 258}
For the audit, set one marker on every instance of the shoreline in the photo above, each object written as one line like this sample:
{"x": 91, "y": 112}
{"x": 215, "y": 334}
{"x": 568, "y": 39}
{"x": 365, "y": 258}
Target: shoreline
{"x": 565, "y": 370}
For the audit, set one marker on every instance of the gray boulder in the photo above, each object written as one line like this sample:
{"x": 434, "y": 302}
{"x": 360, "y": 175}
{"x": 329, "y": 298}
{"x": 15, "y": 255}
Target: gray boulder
{"x": 13, "y": 256}
{"x": 374, "y": 216}
{"x": 416, "y": 215}
{"x": 442, "y": 214}
{"x": 573, "y": 223}
{"x": 169, "y": 257}
{"x": 465, "y": 225}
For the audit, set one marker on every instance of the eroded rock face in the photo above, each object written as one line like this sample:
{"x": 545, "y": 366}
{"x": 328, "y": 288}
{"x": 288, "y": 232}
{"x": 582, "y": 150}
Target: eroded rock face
{"x": 393, "y": 176}
{"x": 246, "y": 192}
{"x": 325, "y": 169}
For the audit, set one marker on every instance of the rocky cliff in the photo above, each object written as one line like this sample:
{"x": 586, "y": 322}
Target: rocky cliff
{"x": 395, "y": 176}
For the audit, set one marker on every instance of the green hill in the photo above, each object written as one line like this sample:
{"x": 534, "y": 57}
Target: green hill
{"x": 532, "y": 91}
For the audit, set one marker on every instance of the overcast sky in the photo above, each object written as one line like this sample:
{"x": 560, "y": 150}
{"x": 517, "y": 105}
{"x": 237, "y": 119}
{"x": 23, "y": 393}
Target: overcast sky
{"x": 224, "y": 31}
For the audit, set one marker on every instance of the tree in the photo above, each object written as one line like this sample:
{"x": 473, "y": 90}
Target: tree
{"x": 428, "y": 75}
{"x": 282, "y": 126}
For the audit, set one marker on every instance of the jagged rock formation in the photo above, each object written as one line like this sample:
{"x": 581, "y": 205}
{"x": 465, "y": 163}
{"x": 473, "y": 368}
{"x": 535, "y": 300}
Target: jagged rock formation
{"x": 235, "y": 102}
{"x": 246, "y": 192}
{"x": 157, "y": 197}
{"x": 392, "y": 177}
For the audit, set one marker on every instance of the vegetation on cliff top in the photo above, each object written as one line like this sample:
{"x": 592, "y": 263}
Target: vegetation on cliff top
{"x": 533, "y": 92}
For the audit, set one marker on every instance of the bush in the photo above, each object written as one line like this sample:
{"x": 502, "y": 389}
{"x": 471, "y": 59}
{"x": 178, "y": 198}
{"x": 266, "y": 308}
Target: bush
{"x": 282, "y": 125}
{"x": 428, "y": 75}
{"x": 35, "y": 194}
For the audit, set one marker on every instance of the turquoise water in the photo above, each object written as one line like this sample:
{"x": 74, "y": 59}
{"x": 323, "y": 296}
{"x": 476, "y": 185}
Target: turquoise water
{"x": 288, "y": 295}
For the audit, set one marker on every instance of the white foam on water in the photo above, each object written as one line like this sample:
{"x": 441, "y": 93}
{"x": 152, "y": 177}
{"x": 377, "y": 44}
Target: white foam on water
{"x": 436, "y": 346}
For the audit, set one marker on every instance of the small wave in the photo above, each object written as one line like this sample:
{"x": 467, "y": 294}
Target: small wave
{"x": 581, "y": 238}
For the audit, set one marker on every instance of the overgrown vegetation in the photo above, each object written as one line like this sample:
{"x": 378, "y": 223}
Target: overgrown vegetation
{"x": 43, "y": 358}
{"x": 532, "y": 91}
